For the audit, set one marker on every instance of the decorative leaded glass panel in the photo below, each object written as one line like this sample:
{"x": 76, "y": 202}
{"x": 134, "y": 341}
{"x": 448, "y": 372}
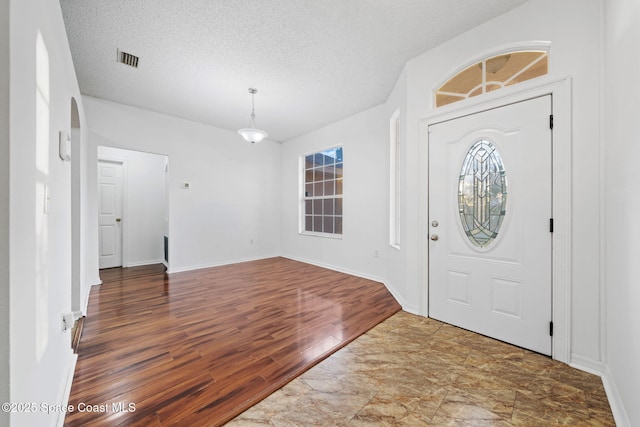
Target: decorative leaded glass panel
{"x": 493, "y": 73}
{"x": 482, "y": 193}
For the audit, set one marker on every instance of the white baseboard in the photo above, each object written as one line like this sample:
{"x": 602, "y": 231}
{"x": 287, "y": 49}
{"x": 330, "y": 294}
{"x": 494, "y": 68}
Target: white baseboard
{"x": 85, "y": 304}
{"x": 588, "y": 365}
{"x": 141, "y": 263}
{"x": 394, "y": 292}
{"x": 334, "y": 268}
{"x": 66, "y": 392}
{"x": 602, "y": 370}
{"x": 218, "y": 264}
{"x": 615, "y": 402}
{"x": 410, "y": 309}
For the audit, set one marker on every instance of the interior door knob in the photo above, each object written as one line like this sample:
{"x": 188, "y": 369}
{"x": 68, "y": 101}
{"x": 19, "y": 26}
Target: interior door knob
{"x": 118, "y": 219}
{"x": 434, "y": 237}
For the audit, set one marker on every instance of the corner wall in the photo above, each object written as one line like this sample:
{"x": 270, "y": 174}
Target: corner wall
{"x": 622, "y": 230}
{"x": 4, "y": 209}
{"x": 396, "y": 258}
{"x": 573, "y": 31}
{"x": 41, "y": 358}
{"x": 364, "y": 138}
{"x": 229, "y": 214}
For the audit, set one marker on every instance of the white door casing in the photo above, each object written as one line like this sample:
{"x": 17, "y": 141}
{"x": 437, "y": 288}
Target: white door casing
{"x": 503, "y": 289}
{"x": 110, "y": 181}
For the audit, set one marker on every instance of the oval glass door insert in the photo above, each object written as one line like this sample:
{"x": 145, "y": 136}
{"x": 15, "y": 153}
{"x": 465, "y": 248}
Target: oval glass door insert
{"x": 482, "y": 193}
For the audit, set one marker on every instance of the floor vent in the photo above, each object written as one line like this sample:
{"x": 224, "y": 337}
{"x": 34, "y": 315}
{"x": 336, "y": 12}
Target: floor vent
{"x": 128, "y": 59}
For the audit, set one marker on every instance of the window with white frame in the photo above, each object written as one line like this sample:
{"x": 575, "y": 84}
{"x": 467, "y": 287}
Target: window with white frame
{"x": 322, "y": 192}
{"x": 493, "y": 73}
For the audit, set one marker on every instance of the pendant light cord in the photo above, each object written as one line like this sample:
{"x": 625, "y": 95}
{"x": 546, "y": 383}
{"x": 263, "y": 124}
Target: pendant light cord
{"x": 252, "y": 122}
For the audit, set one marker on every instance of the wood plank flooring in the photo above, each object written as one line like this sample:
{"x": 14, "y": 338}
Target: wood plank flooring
{"x": 114, "y": 274}
{"x": 198, "y": 348}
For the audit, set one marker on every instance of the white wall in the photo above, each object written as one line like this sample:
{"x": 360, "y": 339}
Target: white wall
{"x": 236, "y": 188}
{"x": 90, "y": 214}
{"x": 622, "y": 230}
{"x": 80, "y": 285}
{"x": 4, "y": 208}
{"x": 364, "y": 138}
{"x": 573, "y": 30}
{"x": 144, "y": 204}
{"x": 231, "y": 211}
{"x": 40, "y": 242}
{"x": 396, "y": 259}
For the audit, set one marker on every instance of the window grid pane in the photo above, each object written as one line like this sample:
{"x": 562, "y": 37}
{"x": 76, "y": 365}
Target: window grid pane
{"x": 322, "y": 207}
{"x": 493, "y": 73}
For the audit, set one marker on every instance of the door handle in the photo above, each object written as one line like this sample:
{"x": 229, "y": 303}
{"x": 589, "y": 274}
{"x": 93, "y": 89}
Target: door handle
{"x": 434, "y": 237}
{"x": 118, "y": 219}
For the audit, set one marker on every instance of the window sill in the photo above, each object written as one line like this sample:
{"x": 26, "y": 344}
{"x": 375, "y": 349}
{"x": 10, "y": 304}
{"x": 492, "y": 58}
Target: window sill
{"x": 325, "y": 235}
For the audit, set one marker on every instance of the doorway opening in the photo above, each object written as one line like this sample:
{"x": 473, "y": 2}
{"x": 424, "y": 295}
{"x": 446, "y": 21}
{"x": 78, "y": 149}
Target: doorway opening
{"x": 133, "y": 209}
{"x": 490, "y": 194}
{"x": 560, "y": 92}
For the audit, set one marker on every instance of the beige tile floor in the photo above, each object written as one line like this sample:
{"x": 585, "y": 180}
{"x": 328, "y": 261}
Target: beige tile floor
{"x": 413, "y": 371}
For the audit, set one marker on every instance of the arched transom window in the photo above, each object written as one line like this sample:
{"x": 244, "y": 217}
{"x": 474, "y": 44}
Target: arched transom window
{"x": 493, "y": 73}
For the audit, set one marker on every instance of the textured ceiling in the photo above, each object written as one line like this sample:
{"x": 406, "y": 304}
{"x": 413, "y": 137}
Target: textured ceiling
{"x": 313, "y": 61}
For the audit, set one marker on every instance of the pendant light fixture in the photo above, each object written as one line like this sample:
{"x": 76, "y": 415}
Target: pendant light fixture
{"x": 251, "y": 134}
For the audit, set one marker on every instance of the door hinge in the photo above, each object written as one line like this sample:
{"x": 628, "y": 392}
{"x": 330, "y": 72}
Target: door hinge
{"x": 551, "y": 328}
{"x": 551, "y": 121}
{"x": 550, "y": 225}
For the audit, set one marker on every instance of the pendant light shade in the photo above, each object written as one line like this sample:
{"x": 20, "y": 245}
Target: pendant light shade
{"x": 251, "y": 134}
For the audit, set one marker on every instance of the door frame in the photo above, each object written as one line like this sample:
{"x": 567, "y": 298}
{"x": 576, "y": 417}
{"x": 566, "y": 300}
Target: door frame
{"x": 560, "y": 91}
{"x": 123, "y": 204}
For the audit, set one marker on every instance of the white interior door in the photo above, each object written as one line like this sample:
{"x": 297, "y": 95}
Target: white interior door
{"x": 490, "y": 178}
{"x": 110, "y": 214}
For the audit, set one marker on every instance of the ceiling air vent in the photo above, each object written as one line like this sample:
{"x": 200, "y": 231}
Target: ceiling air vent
{"x": 128, "y": 59}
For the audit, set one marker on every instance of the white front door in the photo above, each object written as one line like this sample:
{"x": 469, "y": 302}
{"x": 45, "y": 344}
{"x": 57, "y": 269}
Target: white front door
{"x": 490, "y": 177}
{"x": 110, "y": 214}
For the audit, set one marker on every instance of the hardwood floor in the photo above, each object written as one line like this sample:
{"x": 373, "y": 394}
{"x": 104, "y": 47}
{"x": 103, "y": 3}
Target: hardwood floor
{"x": 115, "y": 274}
{"x": 198, "y": 348}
